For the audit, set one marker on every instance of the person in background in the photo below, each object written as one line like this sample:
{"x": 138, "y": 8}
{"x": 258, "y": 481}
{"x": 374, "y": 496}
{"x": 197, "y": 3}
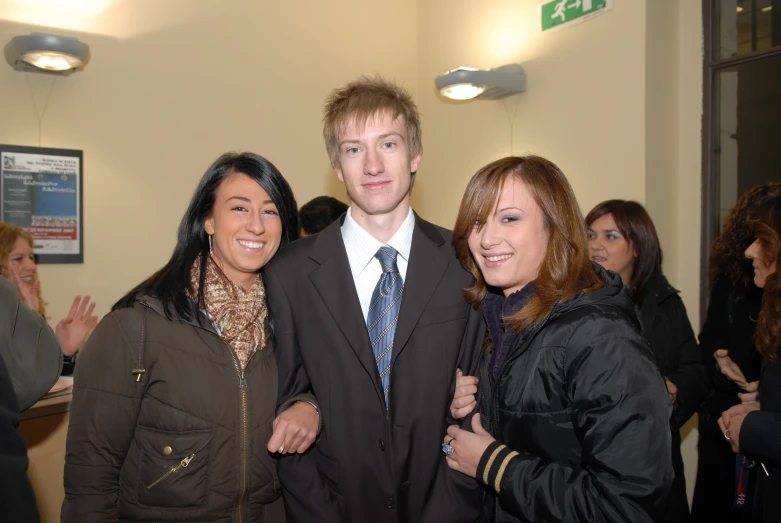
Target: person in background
{"x": 623, "y": 239}
{"x": 319, "y": 213}
{"x": 29, "y": 347}
{"x": 753, "y": 428}
{"x": 17, "y": 263}
{"x": 175, "y": 393}
{"x": 726, "y": 342}
{"x": 573, "y": 411}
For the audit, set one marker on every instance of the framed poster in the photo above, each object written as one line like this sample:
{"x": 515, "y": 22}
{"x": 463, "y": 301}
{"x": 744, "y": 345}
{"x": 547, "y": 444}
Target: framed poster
{"x": 42, "y": 191}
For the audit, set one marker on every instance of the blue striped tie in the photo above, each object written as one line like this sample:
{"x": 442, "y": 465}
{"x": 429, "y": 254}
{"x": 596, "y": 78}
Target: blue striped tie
{"x": 384, "y": 313}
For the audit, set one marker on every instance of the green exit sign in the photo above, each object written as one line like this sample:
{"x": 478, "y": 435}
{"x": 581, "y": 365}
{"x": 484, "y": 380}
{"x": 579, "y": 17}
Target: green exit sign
{"x": 559, "y": 12}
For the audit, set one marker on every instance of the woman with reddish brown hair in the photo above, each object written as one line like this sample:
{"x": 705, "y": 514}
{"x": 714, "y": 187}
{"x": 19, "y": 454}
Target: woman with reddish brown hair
{"x": 573, "y": 409}
{"x": 753, "y": 428}
{"x": 731, "y": 359}
{"x": 622, "y": 238}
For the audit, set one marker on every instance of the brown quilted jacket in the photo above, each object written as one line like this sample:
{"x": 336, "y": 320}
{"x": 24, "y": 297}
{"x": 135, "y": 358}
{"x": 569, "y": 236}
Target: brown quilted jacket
{"x": 186, "y": 442}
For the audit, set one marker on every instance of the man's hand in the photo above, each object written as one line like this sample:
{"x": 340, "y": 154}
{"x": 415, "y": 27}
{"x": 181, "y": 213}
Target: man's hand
{"x": 294, "y": 430}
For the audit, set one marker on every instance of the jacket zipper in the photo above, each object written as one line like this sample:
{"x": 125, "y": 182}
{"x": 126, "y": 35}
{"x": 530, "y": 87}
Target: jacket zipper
{"x": 494, "y": 394}
{"x": 244, "y": 432}
{"x": 182, "y": 464}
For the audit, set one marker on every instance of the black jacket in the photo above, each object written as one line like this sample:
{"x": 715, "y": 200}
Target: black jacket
{"x": 760, "y": 439}
{"x": 666, "y": 327}
{"x": 729, "y": 324}
{"x": 581, "y": 415}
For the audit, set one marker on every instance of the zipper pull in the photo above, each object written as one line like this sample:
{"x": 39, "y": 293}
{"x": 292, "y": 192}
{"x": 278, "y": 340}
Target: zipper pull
{"x": 186, "y": 461}
{"x": 243, "y": 380}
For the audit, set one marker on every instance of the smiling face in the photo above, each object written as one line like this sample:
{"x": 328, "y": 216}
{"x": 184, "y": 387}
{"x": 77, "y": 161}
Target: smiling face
{"x": 510, "y": 246}
{"x": 376, "y": 168}
{"x": 610, "y": 248}
{"x": 21, "y": 261}
{"x": 245, "y": 227}
{"x": 761, "y": 269}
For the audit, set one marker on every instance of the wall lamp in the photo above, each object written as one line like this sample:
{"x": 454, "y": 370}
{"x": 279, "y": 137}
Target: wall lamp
{"x": 466, "y": 83}
{"x": 45, "y": 53}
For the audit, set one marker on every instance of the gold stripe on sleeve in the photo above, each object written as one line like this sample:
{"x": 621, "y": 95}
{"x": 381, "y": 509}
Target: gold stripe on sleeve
{"x": 500, "y": 473}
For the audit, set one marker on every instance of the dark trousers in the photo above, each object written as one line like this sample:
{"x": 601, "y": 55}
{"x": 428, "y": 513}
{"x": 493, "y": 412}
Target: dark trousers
{"x": 714, "y": 491}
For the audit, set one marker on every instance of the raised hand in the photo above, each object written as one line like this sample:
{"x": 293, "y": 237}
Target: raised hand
{"x": 464, "y": 401}
{"x": 74, "y": 328}
{"x": 28, "y": 294}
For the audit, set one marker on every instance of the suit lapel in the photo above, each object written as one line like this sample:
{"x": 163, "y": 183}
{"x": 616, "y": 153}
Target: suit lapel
{"x": 426, "y": 267}
{"x": 334, "y": 283}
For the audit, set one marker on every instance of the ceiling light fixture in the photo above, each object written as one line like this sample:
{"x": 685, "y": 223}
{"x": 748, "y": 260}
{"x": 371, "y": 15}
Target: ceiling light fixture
{"x": 466, "y": 83}
{"x": 45, "y": 53}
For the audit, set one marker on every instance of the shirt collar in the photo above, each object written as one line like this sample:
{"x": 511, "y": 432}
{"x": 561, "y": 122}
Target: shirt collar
{"x": 362, "y": 246}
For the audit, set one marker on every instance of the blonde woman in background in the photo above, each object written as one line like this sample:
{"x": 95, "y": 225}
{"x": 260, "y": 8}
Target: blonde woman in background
{"x": 17, "y": 263}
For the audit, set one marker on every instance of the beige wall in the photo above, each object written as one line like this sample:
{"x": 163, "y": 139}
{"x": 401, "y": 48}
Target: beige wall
{"x": 614, "y": 101}
{"x": 164, "y": 95}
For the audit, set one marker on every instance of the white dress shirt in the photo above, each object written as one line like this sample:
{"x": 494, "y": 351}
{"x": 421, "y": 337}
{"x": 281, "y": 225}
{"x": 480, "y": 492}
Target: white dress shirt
{"x": 361, "y": 248}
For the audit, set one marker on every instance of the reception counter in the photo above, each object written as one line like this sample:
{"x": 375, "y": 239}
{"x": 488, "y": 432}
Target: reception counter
{"x": 44, "y": 427}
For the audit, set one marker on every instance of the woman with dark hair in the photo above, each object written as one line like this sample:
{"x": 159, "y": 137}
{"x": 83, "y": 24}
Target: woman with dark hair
{"x": 572, "y": 406}
{"x": 726, "y": 341}
{"x": 173, "y": 405}
{"x": 623, "y": 239}
{"x": 753, "y": 428}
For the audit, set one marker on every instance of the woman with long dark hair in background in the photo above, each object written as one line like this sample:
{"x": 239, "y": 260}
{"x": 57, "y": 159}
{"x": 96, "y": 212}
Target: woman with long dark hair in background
{"x": 622, "y": 238}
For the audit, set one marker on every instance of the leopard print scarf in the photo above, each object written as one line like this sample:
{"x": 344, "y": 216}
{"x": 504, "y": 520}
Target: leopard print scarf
{"x": 239, "y": 315}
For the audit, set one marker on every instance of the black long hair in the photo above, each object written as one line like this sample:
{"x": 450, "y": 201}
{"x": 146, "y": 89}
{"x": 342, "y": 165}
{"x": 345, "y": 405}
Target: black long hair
{"x": 169, "y": 284}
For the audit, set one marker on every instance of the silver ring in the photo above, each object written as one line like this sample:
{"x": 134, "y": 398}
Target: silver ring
{"x": 447, "y": 449}
{"x": 726, "y": 435}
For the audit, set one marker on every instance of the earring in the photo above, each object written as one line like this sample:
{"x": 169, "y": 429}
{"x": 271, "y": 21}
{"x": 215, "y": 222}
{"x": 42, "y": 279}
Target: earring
{"x": 210, "y": 244}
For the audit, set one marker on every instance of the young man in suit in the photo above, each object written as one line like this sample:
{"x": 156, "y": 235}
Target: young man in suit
{"x": 369, "y": 315}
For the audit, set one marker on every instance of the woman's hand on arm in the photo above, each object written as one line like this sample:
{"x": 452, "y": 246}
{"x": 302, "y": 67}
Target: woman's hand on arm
{"x": 73, "y": 329}
{"x": 468, "y": 447}
{"x": 295, "y": 429}
{"x": 464, "y": 399}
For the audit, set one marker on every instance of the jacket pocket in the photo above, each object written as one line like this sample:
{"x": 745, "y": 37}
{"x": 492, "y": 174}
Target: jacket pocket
{"x": 327, "y": 467}
{"x": 173, "y": 470}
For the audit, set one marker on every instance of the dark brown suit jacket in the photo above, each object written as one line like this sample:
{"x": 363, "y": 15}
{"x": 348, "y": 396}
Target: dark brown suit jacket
{"x": 366, "y": 466}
